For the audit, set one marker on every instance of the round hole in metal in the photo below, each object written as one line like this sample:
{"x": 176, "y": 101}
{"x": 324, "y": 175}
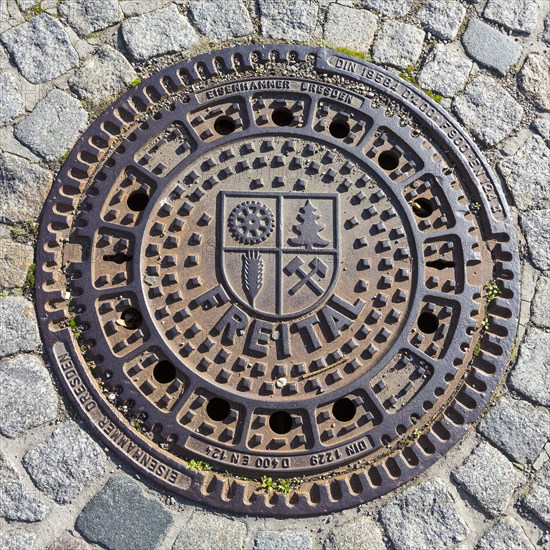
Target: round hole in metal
{"x": 138, "y": 201}
{"x": 218, "y": 409}
{"x": 389, "y": 160}
{"x": 344, "y": 409}
{"x": 164, "y": 372}
{"x": 131, "y": 318}
{"x": 423, "y": 208}
{"x": 282, "y": 117}
{"x": 280, "y": 422}
{"x": 427, "y": 322}
{"x": 339, "y": 129}
{"x": 224, "y": 125}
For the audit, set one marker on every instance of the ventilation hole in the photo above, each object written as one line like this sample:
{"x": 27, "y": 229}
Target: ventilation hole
{"x": 422, "y": 207}
{"x": 282, "y": 117}
{"x": 389, "y": 160}
{"x": 339, "y": 129}
{"x": 343, "y": 409}
{"x": 427, "y": 322}
{"x": 218, "y": 409}
{"x": 138, "y": 201}
{"x": 280, "y": 422}
{"x": 224, "y": 125}
{"x": 164, "y": 372}
{"x": 131, "y": 318}
{"x": 440, "y": 264}
{"x": 118, "y": 258}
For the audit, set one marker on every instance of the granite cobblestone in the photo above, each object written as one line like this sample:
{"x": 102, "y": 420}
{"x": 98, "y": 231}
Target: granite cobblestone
{"x": 489, "y": 47}
{"x": 30, "y": 45}
{"x": 398, "y": 44}
{"x": 21, "y": 409}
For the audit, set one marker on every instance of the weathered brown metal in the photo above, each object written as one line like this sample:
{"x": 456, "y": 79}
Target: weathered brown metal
{"x": 273, "y": 259}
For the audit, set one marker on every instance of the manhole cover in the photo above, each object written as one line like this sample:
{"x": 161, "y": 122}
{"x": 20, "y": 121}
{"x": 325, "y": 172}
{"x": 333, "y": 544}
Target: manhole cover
{"x": 277, "y": 279}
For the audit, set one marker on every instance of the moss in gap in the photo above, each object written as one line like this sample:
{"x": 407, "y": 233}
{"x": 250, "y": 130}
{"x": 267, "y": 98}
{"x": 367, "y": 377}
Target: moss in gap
{"x": 354, "y": 53}
{"x": 135, "y": 82}
{"x": 25, "y": 232}
{"x": 280, "y": 485}
{"x": 408, "y": 76}
{"x": 74, "y": 327}
{"x": 28, "y": 287}
{"x": 200, "y": 465}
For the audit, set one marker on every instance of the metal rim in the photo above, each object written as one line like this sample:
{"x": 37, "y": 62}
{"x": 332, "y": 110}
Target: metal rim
{"x": 360, "y": 481}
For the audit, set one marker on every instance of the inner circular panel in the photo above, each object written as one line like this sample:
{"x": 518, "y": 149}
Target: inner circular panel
{"x": 277, "y": 276}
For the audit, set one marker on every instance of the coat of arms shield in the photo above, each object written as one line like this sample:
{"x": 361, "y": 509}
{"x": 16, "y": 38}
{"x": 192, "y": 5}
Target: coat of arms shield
{"x": 278, "y": 252}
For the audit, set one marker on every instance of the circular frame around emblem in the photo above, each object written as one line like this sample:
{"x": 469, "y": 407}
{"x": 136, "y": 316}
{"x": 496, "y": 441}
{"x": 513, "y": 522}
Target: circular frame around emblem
{"x": 242, "y": 273}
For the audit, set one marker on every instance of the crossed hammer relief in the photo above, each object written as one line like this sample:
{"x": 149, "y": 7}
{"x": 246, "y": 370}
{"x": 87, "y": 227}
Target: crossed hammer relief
{"x": 317, "y": 267}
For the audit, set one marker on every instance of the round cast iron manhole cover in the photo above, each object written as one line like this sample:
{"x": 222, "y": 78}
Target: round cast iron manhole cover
{"x": 277, "y": 279}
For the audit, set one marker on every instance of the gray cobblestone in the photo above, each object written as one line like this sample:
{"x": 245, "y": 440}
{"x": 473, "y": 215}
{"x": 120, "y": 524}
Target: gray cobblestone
{"x": 140, "y": 521}
{"x": 21, "y": 409}
{"x": 221, "y": 19}
{"x": 398, "y": 44}
{"x": 489, "y": 47}
{"x": 283, "y": 540}
{"x": 350, "y": 28}
{"x": 66, "y": 463}
{"x": 158, "y": 32}
{"x": 536, "y": 226}
{"x": 516, "y": 15}
{"x": 26, "y": 4}
{"x": 31, "y": 45}
{"x": 16, "y": 502}
{"x": 492, "y": 487}
{"x": 506, "y": 534}
{"x": 132, "y": 8}
{"x": 103, "y": 75}
{"x": 18, "y": 327}
{"x": 517, "y": 428}
{"x": 11, "y": 102}
{"x": 423, "y": 516}
{"x": 442, "y": 18}
{"x": 545, "y": 35}
{"x": 444, "y": 72}
{"x": 288, "y": 20}
{"x": 15, "y": 260}
{"x": 538, "y": 499}
{"x": 23, "y": 189}
{"x": 211, "y": 532}
{"x": 488, "y": 110}
{"x": 54, "y": 125}
{"x": 531, "y": 375}
{"x": 528, "y": 180}
{"x": 388, "y": 7}
{"x": 88, "y": 16}
{"x": 16, "y": 539}
{"x": 362, "y": 533}
{"x": 67, "y": 542}
{"x": 534, "y": 79}
{"x": 542, "y": 127}
{"x": 540, "y": 307}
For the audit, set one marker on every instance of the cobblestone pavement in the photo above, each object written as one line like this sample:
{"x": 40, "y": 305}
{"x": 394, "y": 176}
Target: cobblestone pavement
{"x": 63, "y": 61}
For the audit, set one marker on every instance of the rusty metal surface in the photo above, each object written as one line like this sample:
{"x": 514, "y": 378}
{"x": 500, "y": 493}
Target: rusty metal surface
{"x": 274, "y": 259}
